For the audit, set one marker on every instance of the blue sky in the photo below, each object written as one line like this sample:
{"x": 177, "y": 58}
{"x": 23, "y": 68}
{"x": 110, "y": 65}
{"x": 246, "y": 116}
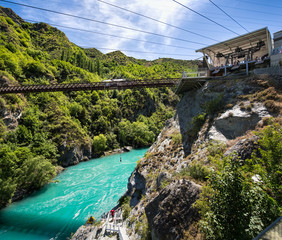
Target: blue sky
{"x": 251, "y": 14}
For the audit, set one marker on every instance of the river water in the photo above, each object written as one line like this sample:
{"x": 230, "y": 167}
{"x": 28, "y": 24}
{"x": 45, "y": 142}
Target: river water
{"x": 58, "y": 209}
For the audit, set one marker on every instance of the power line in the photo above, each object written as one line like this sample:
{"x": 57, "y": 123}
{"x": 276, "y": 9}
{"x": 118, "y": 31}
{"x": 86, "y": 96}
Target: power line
{"x": 241, "y": 17}
{"x": 204, "y": 17}
{"x": 156, "y": 20}
{"x": 250, "y": 10}
{"x": 252, "y": 23}
{"x": 112, "y": 35}
{"x": 259, "y": 3}
{"x": 226, "y": 14}
{"x": 101, "y": 22}
{"x": 126, "y": 50}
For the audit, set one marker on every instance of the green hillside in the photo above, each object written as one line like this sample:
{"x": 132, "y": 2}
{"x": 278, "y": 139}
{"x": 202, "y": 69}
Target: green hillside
{"x": 43, "y": 130}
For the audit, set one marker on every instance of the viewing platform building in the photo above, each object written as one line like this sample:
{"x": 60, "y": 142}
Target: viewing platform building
{"x": 239, "y": 54}
{"x": 254, "y": 51}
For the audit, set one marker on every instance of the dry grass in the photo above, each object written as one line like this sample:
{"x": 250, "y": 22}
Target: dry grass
{"x": 270, "y": 96}
{"x": 193, "y": 232}
{"x": 230, "y": 105}
{"x": 273, "y": 106}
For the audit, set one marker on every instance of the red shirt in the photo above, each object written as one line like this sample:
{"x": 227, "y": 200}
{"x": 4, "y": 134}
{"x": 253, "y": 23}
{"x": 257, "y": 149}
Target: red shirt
{"x": 112, "y": 212}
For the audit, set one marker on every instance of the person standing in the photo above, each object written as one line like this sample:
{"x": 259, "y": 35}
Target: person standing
{"x": 113, "y": 213}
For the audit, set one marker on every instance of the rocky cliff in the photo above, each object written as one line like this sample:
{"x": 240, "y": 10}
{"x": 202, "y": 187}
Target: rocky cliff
{"x": 219, "y": 117}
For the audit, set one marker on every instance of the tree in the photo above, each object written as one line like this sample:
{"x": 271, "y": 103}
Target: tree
{"x": 38, "y": 172}
{"x": 99, "y": 143}
{"x": 269, "y": 166}
{"x": 233, "y": 206}
{"x": 8, "y": 184}
{"x": 142, "y": 136}
{"x": 125, "y": 132}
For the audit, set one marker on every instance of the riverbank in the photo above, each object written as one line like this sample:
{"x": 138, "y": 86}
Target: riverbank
{"x": 118, "y": 150}
{"x": 60, "y": 208}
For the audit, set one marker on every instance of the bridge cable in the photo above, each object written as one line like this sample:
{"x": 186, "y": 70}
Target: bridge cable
{"x": 203, "y": 17}
{"x": 111, "y": 35}
{"x": 101, "y": 22}
{"x": 226, "y": 14}
{"x": 156, "y": 20}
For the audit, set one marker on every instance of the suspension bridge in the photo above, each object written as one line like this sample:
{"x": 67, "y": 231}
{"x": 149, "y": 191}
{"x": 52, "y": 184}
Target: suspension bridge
{"x": 110, "y": 84}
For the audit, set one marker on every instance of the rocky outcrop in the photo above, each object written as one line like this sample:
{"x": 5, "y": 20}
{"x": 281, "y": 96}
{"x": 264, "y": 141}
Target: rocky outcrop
{"x": 172, "y": 210}
{"x": 244, "y": 148}
{"x": 74, "y": 155}
{"x": 85, "y": 233}
{"x": 11, "y": 118}
{"x": 136, "y": 187}
{"x": 188, "y": 107}
{"x": 237, "y": 121}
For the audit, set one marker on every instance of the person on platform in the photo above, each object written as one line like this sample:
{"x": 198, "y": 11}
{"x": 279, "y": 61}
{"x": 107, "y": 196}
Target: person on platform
{"x": 113, "y": 214}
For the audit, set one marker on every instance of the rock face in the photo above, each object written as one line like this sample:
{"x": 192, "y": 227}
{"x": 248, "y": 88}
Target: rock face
{"x": 85, "y": 233}
{"x": 136, "y": 187}
{"x": 169, "y": 209}
{"x": 244, "y": 148}
{"x": 74, "y": 155}
{"x": 172, "y": 210}
{"x": 235, "y": 122}
{"x": 188, "y": 107}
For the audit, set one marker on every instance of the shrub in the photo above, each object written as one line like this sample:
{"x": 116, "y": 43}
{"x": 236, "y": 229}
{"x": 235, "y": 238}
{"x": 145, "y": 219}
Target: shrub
{"x": 126, "y": 210}
{"x": 177, "y": 138}
{"x": 34, "y": 68}
{"x": 124, "y": 200}
{"x": 10, "y": 21}
{"x": 215, "y": 147}
{"x": 232, "y": 207}
{"x": 11, "y": 47}
{"x": 197, "y": 122}
{"x": 213, "y": 106}
{"x": 196, "y": 171}
{"x": 2, "y": 102}
{"x": 137, "y": 227}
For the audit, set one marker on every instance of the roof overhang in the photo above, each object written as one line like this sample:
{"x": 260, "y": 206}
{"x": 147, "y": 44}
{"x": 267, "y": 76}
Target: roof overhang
{"x": 244, "y": 42}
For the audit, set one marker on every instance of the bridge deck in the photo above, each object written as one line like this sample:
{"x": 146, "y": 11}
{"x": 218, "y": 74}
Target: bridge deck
{"x": 105, "y": 85}
{"x": 189, "y": 83}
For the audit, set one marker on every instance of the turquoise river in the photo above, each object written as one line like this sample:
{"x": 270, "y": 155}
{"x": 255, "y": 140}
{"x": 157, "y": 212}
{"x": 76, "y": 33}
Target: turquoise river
{"x": 57, "y": 210}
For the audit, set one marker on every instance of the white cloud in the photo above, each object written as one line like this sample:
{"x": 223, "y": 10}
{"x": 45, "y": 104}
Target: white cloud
{"x": 166, "y": 11}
